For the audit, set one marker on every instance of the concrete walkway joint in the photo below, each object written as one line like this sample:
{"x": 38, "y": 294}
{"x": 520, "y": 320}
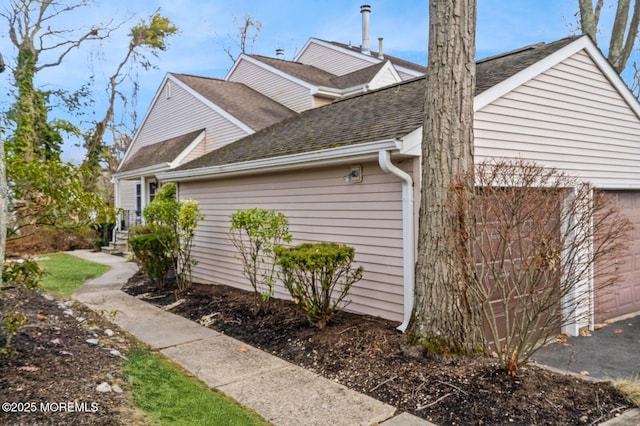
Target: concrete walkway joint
{"x": 282, "y": 393}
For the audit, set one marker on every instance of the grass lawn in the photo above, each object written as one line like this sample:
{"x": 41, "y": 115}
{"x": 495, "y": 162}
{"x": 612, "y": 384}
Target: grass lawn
{"x": 65, "y": 273}
{"x": 160, "y": 388}
{"x": 163, "y": 391}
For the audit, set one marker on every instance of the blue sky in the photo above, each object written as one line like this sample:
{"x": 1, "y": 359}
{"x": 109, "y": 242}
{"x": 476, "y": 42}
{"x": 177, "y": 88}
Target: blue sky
{"x": 205, "y": 26}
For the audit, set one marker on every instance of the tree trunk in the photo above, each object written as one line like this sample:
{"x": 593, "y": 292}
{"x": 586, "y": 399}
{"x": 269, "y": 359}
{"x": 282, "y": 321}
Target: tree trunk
{"x": 623, "y": 33}
{"x": 445, "y": 316}
{"x": 4, "y": 195}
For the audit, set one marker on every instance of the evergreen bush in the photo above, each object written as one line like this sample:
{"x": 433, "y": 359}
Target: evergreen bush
{"x": 318, "y": 277}
{"x": 152, "y": 246}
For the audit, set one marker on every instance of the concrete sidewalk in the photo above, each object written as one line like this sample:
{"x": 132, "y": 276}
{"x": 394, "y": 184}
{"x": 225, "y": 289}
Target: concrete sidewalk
{"x": 282, "y": 393}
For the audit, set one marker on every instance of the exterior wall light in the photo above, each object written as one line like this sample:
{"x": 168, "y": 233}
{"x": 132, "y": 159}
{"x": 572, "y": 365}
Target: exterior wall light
{"x": 354, "y": 176}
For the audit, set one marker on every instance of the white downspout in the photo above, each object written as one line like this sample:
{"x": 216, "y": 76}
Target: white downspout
{"x": 408, "y": 234}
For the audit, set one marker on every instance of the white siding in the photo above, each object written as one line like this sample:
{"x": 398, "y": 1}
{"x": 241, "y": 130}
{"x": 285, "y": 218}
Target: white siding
{"x": 320, "y": 207}
{"x": 278, "y": 88}
{"x": 333, "y": 60}
{"x": 384, "y": 79}
{"x": 128, "y": 194}
{"x": 570, "y": 117}
{"x": 182, "y": 113}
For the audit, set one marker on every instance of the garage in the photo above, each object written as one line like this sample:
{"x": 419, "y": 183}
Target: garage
{"x": 623, "y": 298}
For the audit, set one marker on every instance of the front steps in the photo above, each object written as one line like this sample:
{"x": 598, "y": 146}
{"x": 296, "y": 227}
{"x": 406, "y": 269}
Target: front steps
{"x": 119, "y": 245}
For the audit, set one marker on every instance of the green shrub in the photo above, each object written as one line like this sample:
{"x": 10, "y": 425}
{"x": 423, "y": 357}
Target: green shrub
{"x": 153, "y": 248}
{"x": 21, "y": 276}
{"x": 181, "y": 218}
{"x": 318, "y": 277}
{"x": 256, "y": 233}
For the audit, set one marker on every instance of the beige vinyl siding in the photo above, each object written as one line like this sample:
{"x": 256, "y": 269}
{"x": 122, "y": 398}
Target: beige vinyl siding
{"x": 569, "y": 117}
{"x": 320, "y": 207}
{"x": 318, "y": 101}
{"x": 332, "y": 60}
{"x": 128, "y": 194}
{"x": 278, "y": 88}
{"x": 183, "y": 113}
{"x": 198, "y": 151}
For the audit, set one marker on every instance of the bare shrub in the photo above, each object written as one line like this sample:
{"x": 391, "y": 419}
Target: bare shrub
{"x": 256, "y": 233}
{"x": 543, "y": 241}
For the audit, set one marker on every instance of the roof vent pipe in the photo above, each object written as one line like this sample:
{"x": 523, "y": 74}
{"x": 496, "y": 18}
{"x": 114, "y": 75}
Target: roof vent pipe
{"x": 279, "y": 53}
{"x": 380, "y": 54}
{"x": 365, "y": 9}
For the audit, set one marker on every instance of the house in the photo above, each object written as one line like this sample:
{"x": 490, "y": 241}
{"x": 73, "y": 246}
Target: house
{"x": 190, "y": 115}
{"x": 348, "y": 171}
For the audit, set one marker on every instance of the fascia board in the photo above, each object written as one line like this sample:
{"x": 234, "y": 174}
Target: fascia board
{"x": 213, "y": 106}
{"x": 280, "y": 73}
{"x": 305, "y": 47}
{"x": 234, "y": 66}
{"x": 329, "y": 92}
{"x": 196, "y": 141}
{"x": 409, "y": 71}
{"x": 387, "y": 67}
{"x": 325, "y": 156}
{"x": 610, "y": 73}
{"x": 144, "y": 120}
{"x": 511, "y": 83}
{"x": 412, "y": 143}
{"x": 369, "y": 58}
{"x": 583, "y": 43}
{"x": 354, "y": 90}
{"x": 143, "y": 171}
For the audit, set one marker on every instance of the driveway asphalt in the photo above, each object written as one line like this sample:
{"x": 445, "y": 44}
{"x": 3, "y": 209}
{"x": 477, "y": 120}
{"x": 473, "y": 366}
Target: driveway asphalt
{"x": 611, "y": 352}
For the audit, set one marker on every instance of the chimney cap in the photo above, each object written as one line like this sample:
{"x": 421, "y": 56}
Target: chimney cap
{"x": 365, "y": 8}
{"x": 279, "y": 53}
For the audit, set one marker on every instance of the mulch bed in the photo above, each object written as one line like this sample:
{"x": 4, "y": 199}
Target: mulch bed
{"x": 368, "y": 355}
{"x": 52, "y": 379}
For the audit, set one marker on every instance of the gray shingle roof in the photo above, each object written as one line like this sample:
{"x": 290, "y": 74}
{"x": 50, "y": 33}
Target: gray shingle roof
{"x": 249, "y": 106}
{"x": 390, "y": 112}
{"x": 158, "y": 153}
{"x": 316, "y": 76}
{"x": 362, "y": 76}
{"x": 308, "y": 73}
{"x": 494, "y": 69}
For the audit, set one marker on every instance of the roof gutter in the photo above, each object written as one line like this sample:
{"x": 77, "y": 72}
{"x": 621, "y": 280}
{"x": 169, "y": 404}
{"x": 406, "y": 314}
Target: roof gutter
{"x": 408, "y": 234}
{"x": 285, "y": 162}
{"x": 332, "y": 93}
{"x": 149, "y": 170}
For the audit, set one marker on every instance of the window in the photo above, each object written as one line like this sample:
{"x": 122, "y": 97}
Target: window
{"x": 153, "y": 187}
{"x": 138, "y": 199}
